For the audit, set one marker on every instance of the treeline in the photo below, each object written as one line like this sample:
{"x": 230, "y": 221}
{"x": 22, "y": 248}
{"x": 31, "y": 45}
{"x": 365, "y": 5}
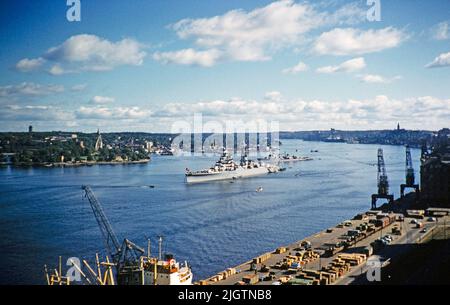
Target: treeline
{"x": 53, "y": 147}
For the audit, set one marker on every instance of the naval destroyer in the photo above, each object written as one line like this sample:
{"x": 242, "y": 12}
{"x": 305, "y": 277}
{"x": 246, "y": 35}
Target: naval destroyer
{"x": 226, "y": 168}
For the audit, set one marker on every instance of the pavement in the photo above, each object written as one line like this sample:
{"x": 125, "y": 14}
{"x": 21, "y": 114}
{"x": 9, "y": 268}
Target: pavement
{"x": 322, "y": 240}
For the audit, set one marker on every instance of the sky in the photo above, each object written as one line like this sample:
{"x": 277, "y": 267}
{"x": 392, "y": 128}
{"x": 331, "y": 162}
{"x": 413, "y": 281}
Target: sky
{"x": 151, "y": 65}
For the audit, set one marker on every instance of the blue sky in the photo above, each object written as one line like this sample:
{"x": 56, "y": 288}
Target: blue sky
{"x": 144, "y": 65}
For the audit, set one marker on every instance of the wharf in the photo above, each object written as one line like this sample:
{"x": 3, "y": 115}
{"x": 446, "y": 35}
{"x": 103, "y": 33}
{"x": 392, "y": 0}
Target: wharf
{"x": 293, "y": 264}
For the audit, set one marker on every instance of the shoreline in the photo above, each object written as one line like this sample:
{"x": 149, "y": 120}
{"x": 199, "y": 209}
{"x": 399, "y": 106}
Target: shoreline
{"x": 321, "y": 264}
{"x": 79, "y": 164}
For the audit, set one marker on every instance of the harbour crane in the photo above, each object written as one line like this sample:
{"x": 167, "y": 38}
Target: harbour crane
{"x": 132, "y": 266}
{"x": 125, "y": 254}
{"x": 383, "y": 182}
{"x": 409, "y": 174}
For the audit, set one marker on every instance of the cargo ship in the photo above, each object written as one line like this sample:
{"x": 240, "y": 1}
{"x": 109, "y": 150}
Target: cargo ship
{"x": 226, "y": 169}
{"x": 153, "y": 271}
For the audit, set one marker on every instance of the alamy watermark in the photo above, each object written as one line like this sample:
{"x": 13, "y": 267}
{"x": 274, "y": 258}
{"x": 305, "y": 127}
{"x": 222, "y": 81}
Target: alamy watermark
{"x": 197, "y": 136}
{"x": 374, "y": 266}
{"x": 374, "y": 12}
{"x": 74, "y": 12}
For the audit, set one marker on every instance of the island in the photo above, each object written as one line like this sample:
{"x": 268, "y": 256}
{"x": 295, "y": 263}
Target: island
{"x": 53, "y": 149}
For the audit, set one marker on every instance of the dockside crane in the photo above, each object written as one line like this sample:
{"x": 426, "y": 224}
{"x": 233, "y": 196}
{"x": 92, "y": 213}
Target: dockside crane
{"x": 383, "y": 182}
{"x": 409, "y": 175}
{"x": 125, "y": 254}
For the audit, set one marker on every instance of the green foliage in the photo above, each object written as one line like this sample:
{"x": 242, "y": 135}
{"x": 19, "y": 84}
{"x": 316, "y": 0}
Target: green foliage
{"x": 48, "y": 147}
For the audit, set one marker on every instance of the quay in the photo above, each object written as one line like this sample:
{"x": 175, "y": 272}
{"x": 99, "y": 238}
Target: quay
{"x": 338, "y": 255}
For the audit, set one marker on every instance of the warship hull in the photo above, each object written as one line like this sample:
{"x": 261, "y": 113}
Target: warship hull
{"x": 226, "y": 175}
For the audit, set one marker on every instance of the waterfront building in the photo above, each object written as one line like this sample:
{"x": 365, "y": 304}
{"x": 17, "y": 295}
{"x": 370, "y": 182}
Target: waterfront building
{"x": 435, "y": 172}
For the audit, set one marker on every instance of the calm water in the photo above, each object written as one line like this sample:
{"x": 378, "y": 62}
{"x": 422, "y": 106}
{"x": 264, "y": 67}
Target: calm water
{"x": 213, "y": 226}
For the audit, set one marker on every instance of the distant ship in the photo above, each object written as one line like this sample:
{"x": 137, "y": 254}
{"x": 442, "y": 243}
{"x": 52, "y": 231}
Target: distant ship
{"x": 334, "y": 139}
{"x": 286, "y": 158}
{"x": 293, "y": 158}
{"x": 226, "y": 168}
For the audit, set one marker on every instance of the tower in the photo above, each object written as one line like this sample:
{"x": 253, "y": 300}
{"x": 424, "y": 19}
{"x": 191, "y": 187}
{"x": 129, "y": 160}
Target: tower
{"x": 99, "y": 142}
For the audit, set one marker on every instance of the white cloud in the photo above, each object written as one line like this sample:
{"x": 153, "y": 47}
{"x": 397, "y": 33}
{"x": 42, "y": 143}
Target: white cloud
{"x": 275, "y": 96}
{"x": 189, "y": 57}
{"x": 27, "y": 65}
{"x": 377, "y": 79}
{"x": 255, "y": 35}
{"x": 298, "y": 114}
{"x": 57, "y": 70}
{"x": 441, "y": 31}
{"x": 443, "y": 60}
{"x": 351, "y": 41}
{"x": 102, "y": 100}
{"x": 80, "y": 87}
{"x": 351, "y": 65}
{"x": 117, "y": 113}
{"x": 86, "y": 52}
{"x": 300, "y": 67}
{"x": 29, "y": 89}
{"x": 34, "y": 113}
{"x": 379, "y": 112}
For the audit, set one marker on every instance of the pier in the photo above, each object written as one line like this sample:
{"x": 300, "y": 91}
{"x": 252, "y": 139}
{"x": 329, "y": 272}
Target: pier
{"x": 338, "y": 255}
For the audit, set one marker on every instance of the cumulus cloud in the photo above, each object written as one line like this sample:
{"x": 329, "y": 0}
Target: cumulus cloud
{"x": 441, "y": 31}
{"x": 351, "y": 65}
{"x": 255, "y": 35}
{"x": 351, "y": 41}
{"x": 423, "y": 112}
{"x": 275, "y": 96}
{"x": 378, "y": 79}
{"x": 102, "y": 100}
{"x": 58, "y": 70}
{"x": 189, "y": 57}
{"x": 378, "y": 112}
{"x": 116, "y": 113}
{"x": 34, "y": 113}
{"x": 28, "y": 65}
{"x": 29, "y": 89}
{"x": 86, "y": 52}
{"x": 443, "y": 60}
{"x": 300, "y": 67}
{"x": 77, "y": 88}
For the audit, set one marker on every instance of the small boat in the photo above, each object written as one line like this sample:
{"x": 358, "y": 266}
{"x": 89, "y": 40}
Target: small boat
{"x": 259, "y": 189}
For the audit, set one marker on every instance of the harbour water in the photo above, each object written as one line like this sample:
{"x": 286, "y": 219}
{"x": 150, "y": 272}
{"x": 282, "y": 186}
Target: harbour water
{"x": 215, "y": 225}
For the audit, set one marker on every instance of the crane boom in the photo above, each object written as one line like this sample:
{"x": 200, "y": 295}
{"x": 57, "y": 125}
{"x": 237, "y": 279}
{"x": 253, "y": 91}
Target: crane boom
{"x": 111, "y": 242}
{"x": 409, "y": 168}
{"x": 383, "y": 183}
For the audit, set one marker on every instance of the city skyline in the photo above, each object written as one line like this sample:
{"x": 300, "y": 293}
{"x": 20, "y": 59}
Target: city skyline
{"x": 142, "y": 67}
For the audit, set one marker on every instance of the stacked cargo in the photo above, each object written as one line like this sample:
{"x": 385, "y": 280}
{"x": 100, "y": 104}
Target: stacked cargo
{"x": 317, "y": 277}
{"x": 280, "y": 250}
{"x": 330, "y": 277}
{"x": 262, "y": 258}
{"x": 354, "y": 259}
{"x": 250, "y": 279}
